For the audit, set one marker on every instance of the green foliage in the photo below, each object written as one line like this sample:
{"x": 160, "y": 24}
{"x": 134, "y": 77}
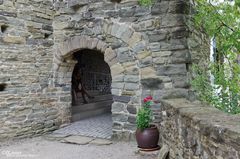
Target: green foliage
{"x": 145, "y": 2}
{"x": 144, "y": 118}
{"x": 220, "y": 21}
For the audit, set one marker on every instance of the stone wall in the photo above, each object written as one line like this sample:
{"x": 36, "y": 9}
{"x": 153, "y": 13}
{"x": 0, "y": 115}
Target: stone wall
{"x": 146, "y": 48}
{"x": 25, "y": 65}
{"x": 192, "y": 130}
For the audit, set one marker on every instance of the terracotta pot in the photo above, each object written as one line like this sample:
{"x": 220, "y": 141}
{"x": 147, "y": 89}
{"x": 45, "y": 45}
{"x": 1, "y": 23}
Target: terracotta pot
{"x": 147, "y": 138}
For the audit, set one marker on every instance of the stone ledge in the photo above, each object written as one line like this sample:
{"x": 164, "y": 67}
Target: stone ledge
{"x": 222, "y": 128}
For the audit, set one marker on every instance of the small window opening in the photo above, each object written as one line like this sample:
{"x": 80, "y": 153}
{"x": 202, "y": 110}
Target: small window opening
{"x": 4, "y": 28}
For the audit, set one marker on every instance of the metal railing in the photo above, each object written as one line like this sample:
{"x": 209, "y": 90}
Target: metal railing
{"x": 97, "y": 81}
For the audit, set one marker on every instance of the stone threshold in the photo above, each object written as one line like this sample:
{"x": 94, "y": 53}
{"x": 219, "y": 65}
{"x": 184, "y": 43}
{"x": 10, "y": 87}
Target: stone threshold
{"x": 77, "y": 139}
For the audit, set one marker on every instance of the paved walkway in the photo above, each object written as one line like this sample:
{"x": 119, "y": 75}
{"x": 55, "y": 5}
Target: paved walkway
{"x": 39, "y": 148}
{"x": 99, "y": 127}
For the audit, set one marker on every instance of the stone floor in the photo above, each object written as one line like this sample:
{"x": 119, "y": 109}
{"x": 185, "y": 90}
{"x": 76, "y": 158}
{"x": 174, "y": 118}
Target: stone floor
{"x": 98, "y": 127}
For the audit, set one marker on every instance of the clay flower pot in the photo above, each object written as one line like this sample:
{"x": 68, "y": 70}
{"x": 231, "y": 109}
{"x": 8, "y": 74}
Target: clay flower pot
{"x": 147, "y": 139}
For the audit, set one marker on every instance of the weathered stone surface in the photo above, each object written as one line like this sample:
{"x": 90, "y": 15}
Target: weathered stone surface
{"x": 120, "y": 117}
{"x": 117, "y": 69}
{"x": 100, "y": 142}
{"x": 131, "y": 109}
{"x": 147, "y": 52}
{"x": 201, "y": 130}
{"x": 57, "y": 137}
{"x": 131, "y": 86}
{"x": 164, "y": 151}
{"x": 14, "y": 39}
{"x": 79, "y": 140}
{"x": 124, "y": 99}
{"x": 179, "y": 69}
{"x": 118, "y": 107}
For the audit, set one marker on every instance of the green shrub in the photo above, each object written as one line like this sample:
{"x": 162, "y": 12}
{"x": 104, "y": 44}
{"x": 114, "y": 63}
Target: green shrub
{"x": 145, "y": 115}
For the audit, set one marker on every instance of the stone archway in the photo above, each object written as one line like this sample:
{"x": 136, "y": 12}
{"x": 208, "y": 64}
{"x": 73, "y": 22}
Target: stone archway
{"x": 91, "y": 86}
{"x": 125, "y": 82}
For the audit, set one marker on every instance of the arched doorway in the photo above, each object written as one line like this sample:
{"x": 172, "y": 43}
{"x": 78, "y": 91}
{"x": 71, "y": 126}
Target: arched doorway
{"x": 125, "y": 87}
{"x": 91, "y": 85}
{"x": 91, "y": 96}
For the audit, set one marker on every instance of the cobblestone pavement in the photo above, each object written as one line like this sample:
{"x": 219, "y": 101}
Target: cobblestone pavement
{"x": 99, "y": 127}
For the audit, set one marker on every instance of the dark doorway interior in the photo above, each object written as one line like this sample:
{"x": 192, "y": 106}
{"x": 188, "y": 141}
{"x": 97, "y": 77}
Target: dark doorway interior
{"x": 91, "y": 85}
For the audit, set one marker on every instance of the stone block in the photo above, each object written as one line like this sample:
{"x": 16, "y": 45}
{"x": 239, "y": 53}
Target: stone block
{"x": 127, "y": 12}
{"x": 181, "y": 56}
{"x": 112, "y": 62}
{"x": 131, "y": 127}
{"x": 61, "y": 25}
{"x": 125, "y": 36}
{"x": 117, "y": 69}
{"x": 122, "y": 99}
{"x": 117, "y": 125}
{"x": 180, "y": 81}
{"x": 111, "y": 13}
{"x": 179, "y": 32}
{"x": 143, "y": 54}
{"x": 118, "y": 107}
{"x": 139, "y": 47}
{"x": 132, "y": 119}
{"x": 131, "y": 78}
{"x": 135, "y": 38}
{"x": 146, "y": 62}
{"x": 160, "y": 8}
{"x": 125, "y": 56}
{"x": 119, "y": 117}
{"x": 14, "y": 39}
{"x": 170, "y": 94}
{"x": 162, "y": 54}
{"x": 118, "y": 85}
{"x": 79, "y": 140}
{"x": 147, "y": 72}
{"x": 116, "y": 92}
{"x": 155, "y": 47}
{"x": 168, "y": 85}
{"x": 132, "y": 108}
{"x": 94, "y": 44}
{"x": 118, "y": 78}
{"x": 109, "y": 54}
{"x": 164, "y": 152}
{"x": 116, "y": 30}
{"x": 8, "y": 14}
{"x": 132, "y": 70}
{"x": 173, "y": 20}
{"x": 131, "y": 86}
{"x": 162, "y": 60}
{"x": 177, "y": 69}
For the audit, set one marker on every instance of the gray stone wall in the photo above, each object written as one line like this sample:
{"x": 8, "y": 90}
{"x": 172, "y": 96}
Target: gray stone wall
{"x": 25, "y": 65}
{"x": 146, "y": 49}
{"x": 192, "y": 130}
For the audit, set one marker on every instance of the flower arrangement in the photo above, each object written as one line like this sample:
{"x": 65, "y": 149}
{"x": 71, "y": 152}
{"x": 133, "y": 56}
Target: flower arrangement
{"x": 145, "y": 115}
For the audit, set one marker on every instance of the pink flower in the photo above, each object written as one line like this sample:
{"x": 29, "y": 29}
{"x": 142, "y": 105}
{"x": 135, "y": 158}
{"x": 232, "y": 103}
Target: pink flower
{"x": 149, "y": 98}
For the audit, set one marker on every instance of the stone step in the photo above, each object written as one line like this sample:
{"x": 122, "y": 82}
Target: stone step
{"x": 92, "y": 113}
{"x": 91, "y": 106}
{"x": 95, "y": 99}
